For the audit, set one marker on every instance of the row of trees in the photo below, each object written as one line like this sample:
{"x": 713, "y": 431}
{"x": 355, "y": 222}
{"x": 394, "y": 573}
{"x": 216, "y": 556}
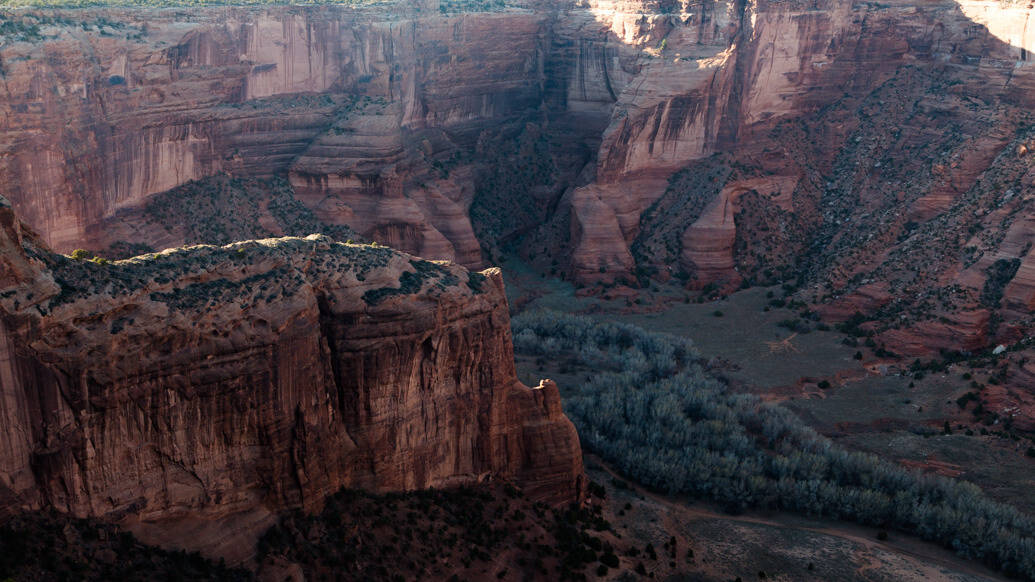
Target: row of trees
{"x": 652, "y": 410}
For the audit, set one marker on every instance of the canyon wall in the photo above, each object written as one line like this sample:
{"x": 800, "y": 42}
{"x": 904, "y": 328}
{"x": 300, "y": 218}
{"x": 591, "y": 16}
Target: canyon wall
{"x": 194, "y": 393}
{"x": 876, "y": 155}
{"x": 104, "y": 108}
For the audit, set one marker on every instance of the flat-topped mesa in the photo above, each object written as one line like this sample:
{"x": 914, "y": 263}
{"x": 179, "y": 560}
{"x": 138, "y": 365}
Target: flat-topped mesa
{"x": 193, "y": 385}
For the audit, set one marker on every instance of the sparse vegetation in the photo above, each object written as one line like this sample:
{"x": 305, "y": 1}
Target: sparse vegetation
{"x": 999, "y": 276}
{"x": 462, "y": 6}
{"x": 411, "y": 282}
{"x": 476, "y": 282}
{"x": 220, "y": 209}
{"x": 49, "y": 546}
{"x": 515, "y": 171}
{"x": 172, "y": 275}
{"x": 436, "y": 533}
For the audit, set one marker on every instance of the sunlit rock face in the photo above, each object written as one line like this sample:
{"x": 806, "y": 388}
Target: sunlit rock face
{"x": 193, "y": 394}
{"x": 878, "y": 153}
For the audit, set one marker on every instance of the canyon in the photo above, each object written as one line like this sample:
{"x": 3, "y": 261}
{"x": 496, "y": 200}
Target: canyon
{"x": 878, "y": 156}
{"x": 873, "y": 159}
{"x": 191, "y": 395}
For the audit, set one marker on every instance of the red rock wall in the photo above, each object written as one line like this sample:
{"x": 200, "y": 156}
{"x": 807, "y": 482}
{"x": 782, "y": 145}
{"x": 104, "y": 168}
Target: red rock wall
{"x": 215, "y": 386}
{"x": 867, "y": 150}
{"x": 98, "y": 119}
{"x": 866, "y": 143}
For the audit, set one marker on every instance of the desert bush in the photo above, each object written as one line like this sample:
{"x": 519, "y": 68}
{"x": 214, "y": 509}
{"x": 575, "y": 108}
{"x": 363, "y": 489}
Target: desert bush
{"x": 653, "y": 411}
{"x": 999, "y": 274}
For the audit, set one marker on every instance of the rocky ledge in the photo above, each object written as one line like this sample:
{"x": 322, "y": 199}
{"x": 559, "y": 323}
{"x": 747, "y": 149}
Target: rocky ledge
{"x": 193, "y": 393}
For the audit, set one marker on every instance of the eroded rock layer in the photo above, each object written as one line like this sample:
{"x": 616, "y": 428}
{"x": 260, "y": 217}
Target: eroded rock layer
{"x": 190, "y": 389}
{"x": 879, "y": 154}
{"x": 875, "y": 155}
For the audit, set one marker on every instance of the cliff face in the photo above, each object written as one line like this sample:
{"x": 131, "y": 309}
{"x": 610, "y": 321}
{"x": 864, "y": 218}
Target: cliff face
{"x": 193, "y": 393}
{"x": 103, "y": 109}
{"x": 880, "y": 153}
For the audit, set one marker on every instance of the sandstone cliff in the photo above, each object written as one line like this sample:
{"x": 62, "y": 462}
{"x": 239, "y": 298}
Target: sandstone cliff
{"x": 102, "y": 109}
{"x": 862, "y": 149}
{"x": 875, "y": 155}
{"x": 193, "y": 393}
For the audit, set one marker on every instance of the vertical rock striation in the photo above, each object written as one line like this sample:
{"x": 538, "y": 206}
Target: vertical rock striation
{"x": 867, "y": 149}
{"x": 195, "y": 392}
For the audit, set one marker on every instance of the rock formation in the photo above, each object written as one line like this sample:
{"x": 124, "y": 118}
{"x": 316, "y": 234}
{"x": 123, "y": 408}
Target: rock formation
{"x": 874, "y": 155}
{"x": 193, "y": 393}
{"x": 842, "y": 145}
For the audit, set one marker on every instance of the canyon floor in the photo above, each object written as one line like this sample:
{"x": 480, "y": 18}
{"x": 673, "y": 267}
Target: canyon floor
{"x": 859, "y": 396}
{"x": 779, "y": 545}
{"x": 496, "y": 533}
